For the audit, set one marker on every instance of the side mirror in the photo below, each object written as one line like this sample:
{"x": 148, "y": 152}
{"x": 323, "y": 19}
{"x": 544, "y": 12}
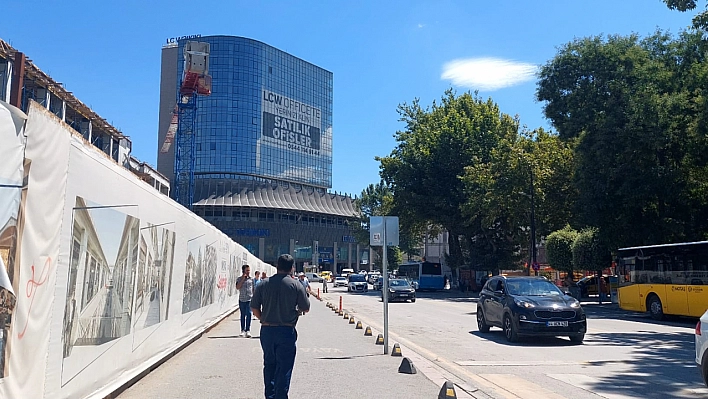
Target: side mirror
{"x": 567, "y": 293}
{"x": 498, "y": 292}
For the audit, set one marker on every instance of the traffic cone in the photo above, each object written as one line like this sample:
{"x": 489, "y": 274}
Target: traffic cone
{"x": 380, "y": 339}
{"x": 447, "y": 391}
{"x": 407, "y": 367}
{"x": 396, "y": 350}
{"x": 358, "y": 325}
{"x": 367, "y": 333}
{"x": 351, "y": 320}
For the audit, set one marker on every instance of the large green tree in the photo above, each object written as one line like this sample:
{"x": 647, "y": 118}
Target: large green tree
{"x": 559, "y": 249}
{"x": 700, "y": 20}
{"x": 635, "y": 109}
{"x": 425, "y": 169}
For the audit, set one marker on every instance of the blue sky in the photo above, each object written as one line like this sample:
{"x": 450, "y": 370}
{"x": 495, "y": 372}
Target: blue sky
{"x": 382, "y": 53}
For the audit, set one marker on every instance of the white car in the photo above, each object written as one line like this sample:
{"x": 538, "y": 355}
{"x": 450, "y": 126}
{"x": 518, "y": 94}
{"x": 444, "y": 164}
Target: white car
{"x": 357, "y": 283}
{"x": 702, "y": 346}
{"x": 313, "y": 277}
{"x": 340, "y": 281}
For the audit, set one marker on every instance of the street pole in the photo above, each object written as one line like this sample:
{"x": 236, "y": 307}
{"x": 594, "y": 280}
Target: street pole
{"x": 533, "y": 227}
{"x": 385, "y": 288}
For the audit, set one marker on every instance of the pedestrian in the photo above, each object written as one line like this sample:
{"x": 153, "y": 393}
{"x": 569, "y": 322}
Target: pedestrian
{"x": 244, "y": 285}
{"x": 324, "y": 285}
{"x": 256, "y": 279}
{"x": 278, "y": 303}
{"x": 263, "y": 276}
{"x": 305, "y": 283}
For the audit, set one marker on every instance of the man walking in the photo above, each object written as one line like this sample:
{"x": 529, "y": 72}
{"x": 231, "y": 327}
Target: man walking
{"x": 278, "y": 302}
{"x": 245, "y": 285}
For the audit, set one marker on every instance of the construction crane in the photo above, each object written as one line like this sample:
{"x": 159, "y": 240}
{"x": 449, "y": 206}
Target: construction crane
{"x": 195, "y": 82}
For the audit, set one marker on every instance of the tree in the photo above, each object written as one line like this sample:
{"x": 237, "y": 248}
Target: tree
{"x": 425, "y": 168}
{"x": 559, "y": 249}
{"x": 636, "y": 112}
{"x": 700, "y": 21}
{"x": 589, "y": 253}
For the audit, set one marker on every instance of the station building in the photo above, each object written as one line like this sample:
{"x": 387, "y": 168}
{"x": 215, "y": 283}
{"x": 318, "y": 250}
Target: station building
{"x": 263, "y": 152}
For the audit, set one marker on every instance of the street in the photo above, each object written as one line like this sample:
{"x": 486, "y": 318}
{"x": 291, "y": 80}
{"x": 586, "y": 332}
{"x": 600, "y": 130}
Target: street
{"x": 624, "y": 355}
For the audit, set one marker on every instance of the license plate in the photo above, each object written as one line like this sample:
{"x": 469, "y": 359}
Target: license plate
{"x": 557, "y": 324}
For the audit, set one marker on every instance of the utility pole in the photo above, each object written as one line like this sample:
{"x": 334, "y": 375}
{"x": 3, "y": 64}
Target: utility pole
{"x": 533, "y": 228}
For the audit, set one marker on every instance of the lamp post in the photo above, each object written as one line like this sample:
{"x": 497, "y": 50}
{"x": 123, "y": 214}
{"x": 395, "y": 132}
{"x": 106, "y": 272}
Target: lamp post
{"x": 533, "y": 229}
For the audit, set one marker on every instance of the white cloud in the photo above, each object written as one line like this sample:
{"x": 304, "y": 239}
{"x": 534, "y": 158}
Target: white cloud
{"x": 421, "y": 25}
{"x": 487, "y": 73}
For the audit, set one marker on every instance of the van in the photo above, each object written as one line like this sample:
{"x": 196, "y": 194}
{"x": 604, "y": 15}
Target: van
{"x": 346, "y": 272}
{"x": 313, "y": 277}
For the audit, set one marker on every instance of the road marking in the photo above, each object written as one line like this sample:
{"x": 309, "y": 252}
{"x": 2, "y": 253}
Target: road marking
{"x": 529, "y": 363}
{"x": 520, "y": 387}
{"x": 589, "y": 384}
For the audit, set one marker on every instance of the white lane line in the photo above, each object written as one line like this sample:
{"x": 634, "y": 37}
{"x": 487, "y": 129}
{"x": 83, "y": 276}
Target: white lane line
{"x": 520, "y": 387}
{"x": 589, "y": 384}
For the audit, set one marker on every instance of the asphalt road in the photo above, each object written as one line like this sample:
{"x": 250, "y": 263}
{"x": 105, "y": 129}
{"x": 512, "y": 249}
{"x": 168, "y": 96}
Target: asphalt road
{"x": 624, "y": 355}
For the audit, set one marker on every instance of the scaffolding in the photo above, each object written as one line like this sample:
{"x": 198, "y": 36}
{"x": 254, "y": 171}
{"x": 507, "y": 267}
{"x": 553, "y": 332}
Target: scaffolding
{"x": 195, "y": 82}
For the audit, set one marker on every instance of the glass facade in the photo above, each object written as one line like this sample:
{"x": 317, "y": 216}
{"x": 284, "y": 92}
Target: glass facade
{"x": 269, "y": 116}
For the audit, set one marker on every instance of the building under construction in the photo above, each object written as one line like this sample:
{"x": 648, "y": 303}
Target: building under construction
{"x": 21, "y": 81}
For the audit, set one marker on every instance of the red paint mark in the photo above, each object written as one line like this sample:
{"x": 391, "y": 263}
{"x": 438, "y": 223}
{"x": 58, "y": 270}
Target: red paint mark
{"x": 31, "y": 289}
{"x": 221, "y": 284}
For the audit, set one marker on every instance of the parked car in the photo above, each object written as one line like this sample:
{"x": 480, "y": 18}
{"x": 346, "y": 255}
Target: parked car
{"x": 378, "y": 284}
{"x": 313, "y": 277}
{"x": 588, "y": 285}
{"x": 702, "y": 345}
{"x": 357, "y": 283}
{"x": 373, "y": 276}
{"x": 529, "y": 306}
{"x": 399, "y": 289}
{"x": 340, "y": 281}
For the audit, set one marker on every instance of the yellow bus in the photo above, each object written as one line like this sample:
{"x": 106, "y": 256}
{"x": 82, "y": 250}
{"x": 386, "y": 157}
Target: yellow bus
{"x": 670, "y": 279}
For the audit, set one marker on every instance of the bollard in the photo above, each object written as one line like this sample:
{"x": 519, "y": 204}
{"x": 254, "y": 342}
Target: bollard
{"x": 346, "y": 315}
{"x": 340, "y": 302}
{"x": 318, "y": 293}
{"x": 340, "y": 312}
{"x": 447, "y": 391}
{"x": 396, "y": 350}
{"x": 367, "y": 333}
{"x": 351, "y": 320}
{"x": 379, "y": 339}
{"x": 358, "y": 325}
{"x": 407, "y": 367}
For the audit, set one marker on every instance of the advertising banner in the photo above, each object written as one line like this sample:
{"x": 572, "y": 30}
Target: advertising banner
{"x": 291, "y": 124}
{"x": 109, "y": 275}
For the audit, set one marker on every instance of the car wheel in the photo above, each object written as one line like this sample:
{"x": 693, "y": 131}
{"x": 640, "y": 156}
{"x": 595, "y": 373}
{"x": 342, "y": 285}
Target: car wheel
{"x": 482, "y": 325}
{"x": 656, "y": 310}
{"x": 412, "y": 300}
{"x": 578, "y": 338}
{"x": 510, "y": 330}
{"x": 704, "y": 368}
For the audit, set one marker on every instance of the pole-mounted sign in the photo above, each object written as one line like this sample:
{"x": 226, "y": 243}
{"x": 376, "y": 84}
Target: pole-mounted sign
{"x": 383, "y": 232}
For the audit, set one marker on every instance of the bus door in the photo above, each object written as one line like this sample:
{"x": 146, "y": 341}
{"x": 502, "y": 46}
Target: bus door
{"x": 676, "y": 299}
{"x": 697, "y": 300}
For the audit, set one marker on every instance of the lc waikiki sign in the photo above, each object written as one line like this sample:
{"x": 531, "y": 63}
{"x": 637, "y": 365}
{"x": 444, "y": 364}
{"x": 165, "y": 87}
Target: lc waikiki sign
{"x": 291, "y": 124}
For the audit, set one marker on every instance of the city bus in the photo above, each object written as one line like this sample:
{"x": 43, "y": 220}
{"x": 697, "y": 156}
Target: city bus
{"x": 427, "y": 275}
{"x": 670, "y": 279}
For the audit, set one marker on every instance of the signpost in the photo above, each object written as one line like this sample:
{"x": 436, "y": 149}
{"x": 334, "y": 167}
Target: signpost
{"x": 383, "y": 232}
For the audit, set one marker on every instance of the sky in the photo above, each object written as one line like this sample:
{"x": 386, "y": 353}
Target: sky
{"x": 382, "y": 54}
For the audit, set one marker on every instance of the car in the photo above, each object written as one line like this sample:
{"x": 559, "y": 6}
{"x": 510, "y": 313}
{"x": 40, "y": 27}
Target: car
{"x": 313, "y": 277}
{"x": 588, "y": 285}
{"x": 399, "y": 289}
{"x": 529, "y": 306}
{"x": 378, "y": 284}
{"x": 340, "y": 281}
{"x": 327, "y": 275}
{"x": 701, "y": 346}
{"x": 373, "y": 277}
{"x": 357, "y": 283}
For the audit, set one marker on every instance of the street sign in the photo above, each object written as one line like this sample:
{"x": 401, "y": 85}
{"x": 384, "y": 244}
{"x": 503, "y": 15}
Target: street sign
{"x": 536, "y": 266}
{"x": 377, "y": 224}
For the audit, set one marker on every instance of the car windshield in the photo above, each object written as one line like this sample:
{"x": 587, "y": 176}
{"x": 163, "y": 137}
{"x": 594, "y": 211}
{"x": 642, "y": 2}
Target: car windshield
{"x": 399, "y": 283}
{"x": 340, "y": 278}
{"x": 357, "y": 278}
{"x": 532, "y": 288}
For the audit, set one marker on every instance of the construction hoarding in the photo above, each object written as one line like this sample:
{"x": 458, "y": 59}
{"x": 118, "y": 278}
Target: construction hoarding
{"x": 101, "y": 275}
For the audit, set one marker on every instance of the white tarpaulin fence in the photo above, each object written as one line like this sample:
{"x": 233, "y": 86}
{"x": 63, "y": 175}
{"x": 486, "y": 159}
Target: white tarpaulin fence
{"x": 109, "y": 276}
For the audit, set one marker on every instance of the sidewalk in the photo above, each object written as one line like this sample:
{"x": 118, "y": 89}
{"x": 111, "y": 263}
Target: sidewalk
{"x": 334, "y": 360}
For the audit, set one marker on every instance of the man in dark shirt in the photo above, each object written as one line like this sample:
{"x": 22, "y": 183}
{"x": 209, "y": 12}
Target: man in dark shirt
{"x": 277, "y": 303}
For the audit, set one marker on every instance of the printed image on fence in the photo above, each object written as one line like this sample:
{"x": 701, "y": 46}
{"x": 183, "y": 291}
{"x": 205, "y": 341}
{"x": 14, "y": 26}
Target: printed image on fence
{"x": 101, "y": 279}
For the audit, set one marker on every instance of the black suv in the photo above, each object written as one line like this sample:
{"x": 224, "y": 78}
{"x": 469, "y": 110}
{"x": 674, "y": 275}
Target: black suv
{"x": 529, "y": 306}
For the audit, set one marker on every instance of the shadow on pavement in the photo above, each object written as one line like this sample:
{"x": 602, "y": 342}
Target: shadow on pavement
{"x": 497, "y": 336}
{"x": 612, "y": 311}
{"x": 662, "y": 363}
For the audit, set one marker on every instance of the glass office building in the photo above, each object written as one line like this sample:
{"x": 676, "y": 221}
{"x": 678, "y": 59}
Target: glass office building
{"x": 263, "y": 154}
